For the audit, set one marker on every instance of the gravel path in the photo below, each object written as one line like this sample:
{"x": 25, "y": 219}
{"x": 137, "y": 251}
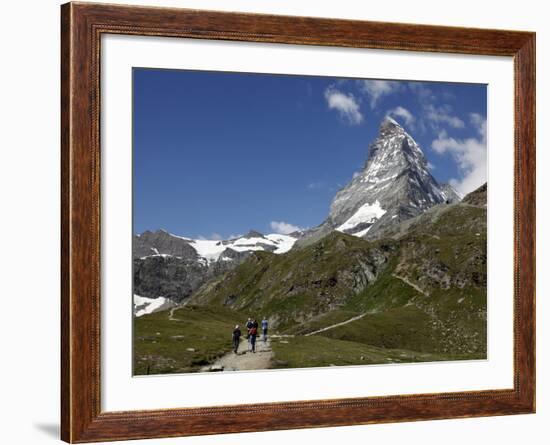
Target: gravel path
{"x": 342, "y": 323}
{"x": 244, "y": 360}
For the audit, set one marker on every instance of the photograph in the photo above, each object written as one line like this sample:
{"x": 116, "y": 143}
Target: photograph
{"x": 290, "y": 221}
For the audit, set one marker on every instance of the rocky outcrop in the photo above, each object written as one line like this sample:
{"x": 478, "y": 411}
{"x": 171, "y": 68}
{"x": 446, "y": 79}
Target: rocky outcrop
{"x": 169, "y": 277}
{"x": 478, "y": 197}
{"x": 162, "y": 243}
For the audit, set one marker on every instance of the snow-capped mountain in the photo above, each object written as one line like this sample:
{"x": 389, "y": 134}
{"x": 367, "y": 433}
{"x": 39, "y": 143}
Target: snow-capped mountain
{"x": 168, "y": 268}
{"x": 394, "y": 185}
{"x": 163, "y": 243}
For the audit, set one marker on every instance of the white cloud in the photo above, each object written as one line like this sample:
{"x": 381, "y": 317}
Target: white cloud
{"x": 378, "y": 88}
{"x": 283, "y": 228}
{"x": 480, "y": 122}
{"x": 346, "y": 105}
{"x": 470, "y": 154}
{"x": 431, "y": 166}
{"x": 432, "y": 115}
{"x": 437, "y": 115}
{"x": 403, "y": 113}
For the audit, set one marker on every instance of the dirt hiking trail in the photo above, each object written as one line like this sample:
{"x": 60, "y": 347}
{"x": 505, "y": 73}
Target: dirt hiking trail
{"x": 244, "y": 360}
{"x": 342, "y": 323}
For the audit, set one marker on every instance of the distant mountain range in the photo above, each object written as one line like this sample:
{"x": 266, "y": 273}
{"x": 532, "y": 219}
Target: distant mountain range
{"x": 172, "y": 267}
{"x": 162, "y": 243}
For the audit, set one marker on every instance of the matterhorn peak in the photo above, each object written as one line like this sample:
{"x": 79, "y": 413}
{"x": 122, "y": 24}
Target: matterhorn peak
{"x": 394, "y": 185}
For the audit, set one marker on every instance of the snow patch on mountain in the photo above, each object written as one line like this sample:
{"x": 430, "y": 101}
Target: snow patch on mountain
{"x": 209, "y": 251}
{"x": 283, "y": 242}
{"x": 366, "y": 214}
{"x": 144, "y": 305}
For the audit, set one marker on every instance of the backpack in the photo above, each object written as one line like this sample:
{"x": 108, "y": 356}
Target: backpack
{"x": 253, "y": 331}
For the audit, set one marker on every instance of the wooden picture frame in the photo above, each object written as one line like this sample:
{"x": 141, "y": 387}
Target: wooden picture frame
{"x": 82, "y": 25}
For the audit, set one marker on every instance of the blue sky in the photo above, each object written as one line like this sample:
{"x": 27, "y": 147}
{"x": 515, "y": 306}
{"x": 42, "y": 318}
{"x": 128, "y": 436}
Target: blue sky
{"x": 217, "y": 154}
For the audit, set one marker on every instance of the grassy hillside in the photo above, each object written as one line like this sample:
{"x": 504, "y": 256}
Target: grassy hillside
{"x": 304, "y": 352}
{"x": 296, "y": 286}
{"x": 182, "y": 340}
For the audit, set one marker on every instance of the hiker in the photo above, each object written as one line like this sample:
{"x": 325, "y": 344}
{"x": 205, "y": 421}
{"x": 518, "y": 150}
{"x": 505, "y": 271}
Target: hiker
{"x": 264, "y": 329}
{"x": 249, "y": 325}
{"x": 236, "y": 339}
{"x": 252, "y": 333}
